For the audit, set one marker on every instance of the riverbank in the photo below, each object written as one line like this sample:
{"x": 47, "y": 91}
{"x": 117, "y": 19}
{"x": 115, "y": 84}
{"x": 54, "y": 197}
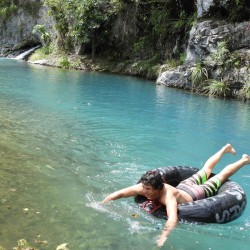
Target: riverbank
{"x": 148, "y": 69}
{"x": 174, "y": 73}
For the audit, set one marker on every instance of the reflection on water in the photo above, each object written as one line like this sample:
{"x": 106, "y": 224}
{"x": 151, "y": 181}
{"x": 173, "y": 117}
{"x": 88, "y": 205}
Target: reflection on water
{"x": 68, "y": 138}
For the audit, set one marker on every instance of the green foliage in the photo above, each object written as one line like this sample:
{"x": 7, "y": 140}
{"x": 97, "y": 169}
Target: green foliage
{"x": 221, "y": 55}
{"x": 183, "y": 57}
{"x": 217, "y": 88}
{"x": 238, "y": 2}
{"x": 87, "y": 22}
{"x": 43, "y": 52}
{"x": 39, "y": 54}
{"x": 45, "y": 36}
{"x": 244, "y": 93}
{"x": 31, "y": 7}
{"x": 159, "y": 18}
{"x": 76, "y": 63}
{"x": 57, "y": 9}
{"x": 234, "y": 60}
{"x": 91, "y": 24}
{"x": 239, "y": 10}
{"x": 64, "y": 62}
{"x": 230, "y": 10}
{"x": 7, "y": 9}
{"x": 174, "y": 62}
{"x": 223, "y": 58}
{"x": 138, "y": 46}
{"x": 170, "y": 16}
{"x": 147, "y": 68}
{"x": 199, "y": 74}
{"x": 181, "y": 23}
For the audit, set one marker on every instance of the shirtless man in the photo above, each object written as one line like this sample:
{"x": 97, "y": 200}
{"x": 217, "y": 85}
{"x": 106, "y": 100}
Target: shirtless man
{"x": 196, "y": 187}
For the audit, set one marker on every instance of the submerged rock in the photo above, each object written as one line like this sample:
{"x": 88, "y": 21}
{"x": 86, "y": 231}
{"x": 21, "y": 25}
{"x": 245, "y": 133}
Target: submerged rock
{"x": 62, "y": 247}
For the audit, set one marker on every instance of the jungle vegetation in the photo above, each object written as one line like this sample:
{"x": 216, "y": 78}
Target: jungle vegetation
{"x": 147, "y": 32}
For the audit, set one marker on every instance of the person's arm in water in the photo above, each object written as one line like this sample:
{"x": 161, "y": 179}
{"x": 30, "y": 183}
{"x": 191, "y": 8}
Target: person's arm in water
{"x": 124, "y": 193}
{"x": 172, "y": 218}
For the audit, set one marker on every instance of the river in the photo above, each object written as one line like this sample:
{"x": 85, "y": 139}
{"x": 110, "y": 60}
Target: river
{"x": 68, "y": 138}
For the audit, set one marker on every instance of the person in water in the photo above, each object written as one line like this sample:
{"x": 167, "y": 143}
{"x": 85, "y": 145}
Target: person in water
{"x": 196, "y": 187}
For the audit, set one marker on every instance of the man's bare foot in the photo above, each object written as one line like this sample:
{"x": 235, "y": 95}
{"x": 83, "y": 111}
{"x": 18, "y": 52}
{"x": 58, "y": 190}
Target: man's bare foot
{"x": 229, "y": 149}
{"x": 246, "y": 158}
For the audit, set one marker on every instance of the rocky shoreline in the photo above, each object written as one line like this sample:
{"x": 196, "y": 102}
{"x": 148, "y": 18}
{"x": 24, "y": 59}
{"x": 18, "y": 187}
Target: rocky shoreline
{"x": 207, "y": 69}
{"x": 231, "y": 66}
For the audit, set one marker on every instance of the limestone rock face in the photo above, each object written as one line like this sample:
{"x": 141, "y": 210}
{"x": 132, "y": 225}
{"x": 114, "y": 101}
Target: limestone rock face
{"x": 16, "y": 31}
{"x": 205, "y": 36}
{"x": 203, "y": 6}
{"x": 207, "y": 8}
{"x": 203, "y": 41}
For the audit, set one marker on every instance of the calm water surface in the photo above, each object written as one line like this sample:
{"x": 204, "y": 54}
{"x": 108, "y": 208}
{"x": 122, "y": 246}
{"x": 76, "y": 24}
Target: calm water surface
{"x": 69, "y": 138}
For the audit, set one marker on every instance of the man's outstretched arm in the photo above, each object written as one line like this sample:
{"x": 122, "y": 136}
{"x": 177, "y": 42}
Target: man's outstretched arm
{"x": 172, "y": 219}
{"x": 124, "y": 193}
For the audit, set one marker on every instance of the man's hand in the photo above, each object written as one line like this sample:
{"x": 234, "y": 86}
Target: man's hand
{"x": 161, "y": 240}
{"x": 172, "y": 218}
{"x": 106, "y": 200}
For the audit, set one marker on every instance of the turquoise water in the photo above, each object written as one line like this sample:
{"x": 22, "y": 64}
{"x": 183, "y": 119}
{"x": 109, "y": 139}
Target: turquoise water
{"x": 69, "y": 138}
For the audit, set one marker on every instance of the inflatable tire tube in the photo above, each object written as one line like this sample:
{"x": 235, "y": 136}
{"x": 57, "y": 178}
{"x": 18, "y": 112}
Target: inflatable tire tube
{"x": 226, "y": 206}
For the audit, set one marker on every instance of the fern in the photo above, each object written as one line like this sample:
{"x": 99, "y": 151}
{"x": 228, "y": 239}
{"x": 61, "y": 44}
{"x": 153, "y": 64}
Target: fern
{"x": 64, "y": 62}
{"x": 217, "y": 88}
{"x": 199, "y": 75}
{"x": 244, "y": 93}
{"x": 221, "y": 55}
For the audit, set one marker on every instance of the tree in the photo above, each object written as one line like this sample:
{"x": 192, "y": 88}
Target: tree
{"x": 85, "y": 22}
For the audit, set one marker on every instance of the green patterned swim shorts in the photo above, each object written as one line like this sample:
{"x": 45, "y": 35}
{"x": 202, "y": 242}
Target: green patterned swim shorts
{"x": 199, "y": 187}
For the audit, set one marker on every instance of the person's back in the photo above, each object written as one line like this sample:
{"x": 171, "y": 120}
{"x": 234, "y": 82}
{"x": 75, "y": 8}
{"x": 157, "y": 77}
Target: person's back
{"x": 180, "y": 195}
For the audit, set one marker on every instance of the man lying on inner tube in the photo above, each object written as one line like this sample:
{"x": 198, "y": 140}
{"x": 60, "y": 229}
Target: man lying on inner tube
{"x": 196, "y": 187}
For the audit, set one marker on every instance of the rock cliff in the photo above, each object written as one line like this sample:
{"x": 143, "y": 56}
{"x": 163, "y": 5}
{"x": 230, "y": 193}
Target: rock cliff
{"x": 204, "y": 39}
{"x": 16, "y": 30}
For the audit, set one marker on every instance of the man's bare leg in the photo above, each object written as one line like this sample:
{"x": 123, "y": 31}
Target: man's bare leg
{"x": 214, "y": 159}
{"x": 230, "y": 169}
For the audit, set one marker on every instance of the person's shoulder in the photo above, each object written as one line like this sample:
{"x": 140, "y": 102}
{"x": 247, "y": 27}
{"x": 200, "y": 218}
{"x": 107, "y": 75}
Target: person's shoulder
{"x": 169, "y": 187}
{"x": 138, "y": 188}
{"x": 135, "y": 187}
{"x": 170, "y": 190}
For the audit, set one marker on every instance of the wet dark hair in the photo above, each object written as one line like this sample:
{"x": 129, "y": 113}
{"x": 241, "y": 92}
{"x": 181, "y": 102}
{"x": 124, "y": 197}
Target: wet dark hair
{"x": 152, "y": 178}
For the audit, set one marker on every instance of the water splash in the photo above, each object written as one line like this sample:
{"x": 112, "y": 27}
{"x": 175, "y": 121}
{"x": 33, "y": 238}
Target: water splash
{"x": 136, "y": 220}
{"x": 25, "y": 54}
